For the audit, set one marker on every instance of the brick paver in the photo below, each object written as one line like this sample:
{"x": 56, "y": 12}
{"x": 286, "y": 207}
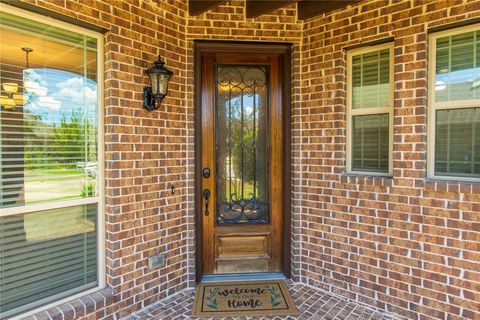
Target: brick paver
{"x": 312, "y": 303}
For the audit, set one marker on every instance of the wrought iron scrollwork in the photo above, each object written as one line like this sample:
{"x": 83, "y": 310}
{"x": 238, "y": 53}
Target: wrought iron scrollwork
{"x": 241, "y": 144}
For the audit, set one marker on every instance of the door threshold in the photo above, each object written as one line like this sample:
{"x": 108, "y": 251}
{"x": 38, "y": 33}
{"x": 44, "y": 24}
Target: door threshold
{"x": 256, "y": 276}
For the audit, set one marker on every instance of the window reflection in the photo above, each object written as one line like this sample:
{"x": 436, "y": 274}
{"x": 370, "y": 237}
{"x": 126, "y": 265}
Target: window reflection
{"x": 457, "y": 67}
{"x": 458, "y": 85}
{"x": 48, "y": 152}
{"x": 59, "y": 135}
{"x": 371, "y": 79}
{"x": 48, "y": 115}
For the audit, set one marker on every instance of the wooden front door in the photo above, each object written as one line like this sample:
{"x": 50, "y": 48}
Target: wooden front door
{"x": 242, "y": 162}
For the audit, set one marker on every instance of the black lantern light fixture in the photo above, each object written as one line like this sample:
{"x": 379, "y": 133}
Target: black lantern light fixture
{"x": 159, "y": 78}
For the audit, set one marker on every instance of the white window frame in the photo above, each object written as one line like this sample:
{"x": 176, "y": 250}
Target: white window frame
{"x": 99, "y": 199}
{"x": 369, "y": 111}
{"x": 445, "y": 105}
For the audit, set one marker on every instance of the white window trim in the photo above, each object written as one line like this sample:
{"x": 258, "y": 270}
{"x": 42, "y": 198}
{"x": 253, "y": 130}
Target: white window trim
{"x": 366, "y": 111}
{"x": 100, "y": 199}
{"x": 434, "y": 106}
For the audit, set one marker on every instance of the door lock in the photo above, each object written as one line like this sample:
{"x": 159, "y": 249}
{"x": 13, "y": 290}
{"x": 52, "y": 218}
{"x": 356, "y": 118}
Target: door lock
{"x": 206, "y": 173}
{"x": 206, "y": 196}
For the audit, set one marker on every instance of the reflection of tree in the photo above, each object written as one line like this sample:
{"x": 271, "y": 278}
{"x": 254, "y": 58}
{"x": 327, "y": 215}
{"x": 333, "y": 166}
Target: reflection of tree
{"x": 60, "y": 144}
{"x": 71, "y": 138}
{"x": 34, "y": 151}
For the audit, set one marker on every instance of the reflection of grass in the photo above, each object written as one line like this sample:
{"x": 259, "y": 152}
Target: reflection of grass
{"x": 58, "y": 223}
{"x": 54, "y": 184}
{"x": 51, "y": 173}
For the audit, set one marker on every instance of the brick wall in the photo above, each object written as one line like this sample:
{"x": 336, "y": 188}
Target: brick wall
{"x": 407, "y": 244}
{"x": 145, "y": 153}
{"x": 228, "y": 22}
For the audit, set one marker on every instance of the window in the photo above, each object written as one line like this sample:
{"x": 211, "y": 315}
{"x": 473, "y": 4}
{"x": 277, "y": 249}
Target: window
{"x": 50, "y": 161}
{"x": 370, "y": 110}
{"x": 454, "y": 110}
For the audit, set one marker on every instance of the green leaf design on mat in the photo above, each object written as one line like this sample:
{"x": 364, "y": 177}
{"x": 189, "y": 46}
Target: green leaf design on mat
{"x": 211, "y": 300}
{"x": 274, "y": 296}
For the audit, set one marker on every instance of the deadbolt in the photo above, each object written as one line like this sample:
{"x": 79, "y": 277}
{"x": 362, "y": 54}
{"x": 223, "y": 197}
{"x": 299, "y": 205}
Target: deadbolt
{"x": 206, "y": 173}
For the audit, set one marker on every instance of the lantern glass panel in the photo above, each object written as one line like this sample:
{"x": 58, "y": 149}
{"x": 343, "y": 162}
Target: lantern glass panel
{"x": 164, "y": 83}
{"x": 154, "y": 82}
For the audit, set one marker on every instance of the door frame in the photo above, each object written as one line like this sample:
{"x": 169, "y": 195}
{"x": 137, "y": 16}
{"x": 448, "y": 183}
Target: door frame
{"x": 284, "y": 49}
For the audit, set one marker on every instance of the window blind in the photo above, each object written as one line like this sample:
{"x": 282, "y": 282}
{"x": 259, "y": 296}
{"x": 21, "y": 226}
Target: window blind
{"x": 48, "y": 141}
{"x": 49, "y": 157}
{"x": 458, "y": 67}
{"x": 457, "y": 123}
{"x": 369, "y": 111}
{"x": 371, "y": 79}
{"x": 457, "y": 139}
{"x": 370, "y": 143}
{"x": 46, "y": 253}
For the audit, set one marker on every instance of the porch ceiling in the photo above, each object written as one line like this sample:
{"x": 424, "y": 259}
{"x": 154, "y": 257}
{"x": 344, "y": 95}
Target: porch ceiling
{"x": 255, "y": 8}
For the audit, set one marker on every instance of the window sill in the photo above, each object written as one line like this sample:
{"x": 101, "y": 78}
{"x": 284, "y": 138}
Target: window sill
{"x": 450, "y": 184}
{"x": 447, "y": 179}
{"x": 74, "y": 307}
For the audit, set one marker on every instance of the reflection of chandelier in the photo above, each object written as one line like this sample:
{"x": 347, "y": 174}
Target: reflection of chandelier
{"x": 29, "y": 86}
{"x": 13, "y": 99}
{"x": 7, "y": 101}
{"x": 11, "y": 87}
{"x": 32, "y": 86}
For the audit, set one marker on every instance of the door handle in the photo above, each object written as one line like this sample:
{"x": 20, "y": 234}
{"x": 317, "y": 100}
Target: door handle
{"x": 206, "y": 196}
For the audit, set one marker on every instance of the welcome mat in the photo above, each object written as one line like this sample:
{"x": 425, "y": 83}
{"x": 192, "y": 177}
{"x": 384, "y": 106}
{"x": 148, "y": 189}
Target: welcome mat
{"x": 239, "y": 299}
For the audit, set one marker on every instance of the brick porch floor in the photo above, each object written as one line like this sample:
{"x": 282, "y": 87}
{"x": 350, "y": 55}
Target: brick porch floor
{"x": 312, "y": 303}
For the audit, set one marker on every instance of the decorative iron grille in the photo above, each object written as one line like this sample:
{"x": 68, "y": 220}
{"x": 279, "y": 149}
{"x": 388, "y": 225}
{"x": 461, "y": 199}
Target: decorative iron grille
{"x": 241, "y": 138}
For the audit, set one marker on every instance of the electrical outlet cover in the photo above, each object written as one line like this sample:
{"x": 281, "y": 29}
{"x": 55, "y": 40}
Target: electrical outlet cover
{"x": 156, "y": 261}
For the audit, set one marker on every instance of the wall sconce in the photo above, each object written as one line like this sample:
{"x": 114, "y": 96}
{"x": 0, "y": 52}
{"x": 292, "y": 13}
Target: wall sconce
{"x": 159, "y": 78}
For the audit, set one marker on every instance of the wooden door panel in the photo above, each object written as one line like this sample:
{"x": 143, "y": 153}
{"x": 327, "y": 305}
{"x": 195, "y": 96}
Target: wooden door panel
{"x": 243, "y": 246}
{"x": 243, "y": 231}
{"x": 243, "y": 266}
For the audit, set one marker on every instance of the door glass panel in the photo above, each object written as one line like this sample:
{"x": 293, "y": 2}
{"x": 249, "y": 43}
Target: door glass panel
{"x": 241, "y": 139}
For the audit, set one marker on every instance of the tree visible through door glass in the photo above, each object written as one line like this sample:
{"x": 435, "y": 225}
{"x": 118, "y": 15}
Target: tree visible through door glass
{"x": 241, "y": 144}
